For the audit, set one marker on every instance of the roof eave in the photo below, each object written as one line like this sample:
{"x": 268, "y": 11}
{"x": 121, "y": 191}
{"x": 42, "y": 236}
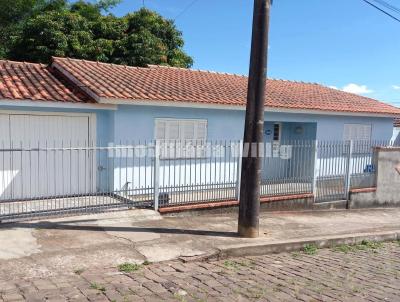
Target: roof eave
{"x": 167, "y": 103}
{"x": 54, "y": 104}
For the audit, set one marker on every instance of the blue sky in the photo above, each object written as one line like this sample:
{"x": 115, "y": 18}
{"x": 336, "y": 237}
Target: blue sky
{"x": 335, "y": 43}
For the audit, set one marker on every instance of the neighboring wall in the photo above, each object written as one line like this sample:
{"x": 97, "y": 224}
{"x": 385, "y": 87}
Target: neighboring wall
{"x": 137, "y": 122}
{"x": 387, "y": 191}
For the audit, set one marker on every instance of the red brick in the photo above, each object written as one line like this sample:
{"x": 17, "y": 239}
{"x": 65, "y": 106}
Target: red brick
{"x": 229, "y": 203}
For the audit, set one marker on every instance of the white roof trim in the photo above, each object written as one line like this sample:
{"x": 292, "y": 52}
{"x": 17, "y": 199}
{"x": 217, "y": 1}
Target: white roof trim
{"x": 55, "y": 104}
{"x": 233, "y": 107}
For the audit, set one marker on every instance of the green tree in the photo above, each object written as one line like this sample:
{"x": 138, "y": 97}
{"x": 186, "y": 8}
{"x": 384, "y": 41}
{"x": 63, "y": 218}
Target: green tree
{"x": 82, "y": 30}
{"x": 151, "y": 39}
{"x": 55, "y": 33}
{"x": 14, "y": 13}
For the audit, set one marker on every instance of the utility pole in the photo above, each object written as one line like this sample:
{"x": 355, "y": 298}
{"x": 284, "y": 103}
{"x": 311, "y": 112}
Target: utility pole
{"x": 249, "y": 207}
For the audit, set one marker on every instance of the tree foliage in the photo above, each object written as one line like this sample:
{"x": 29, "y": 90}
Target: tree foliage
{"x": 36, "y": 30}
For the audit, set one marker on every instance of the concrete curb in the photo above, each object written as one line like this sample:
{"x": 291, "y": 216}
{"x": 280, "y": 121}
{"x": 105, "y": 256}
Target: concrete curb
{"x": 290, "y": 246}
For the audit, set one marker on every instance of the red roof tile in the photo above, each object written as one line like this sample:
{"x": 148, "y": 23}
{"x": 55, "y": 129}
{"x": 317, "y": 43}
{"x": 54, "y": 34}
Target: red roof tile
{"x": 28, "y": 81}
{"x": 156, "y": 83}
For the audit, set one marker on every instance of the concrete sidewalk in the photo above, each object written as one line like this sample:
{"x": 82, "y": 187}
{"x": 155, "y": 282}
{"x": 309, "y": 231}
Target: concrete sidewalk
{"x": 62, "y": 246}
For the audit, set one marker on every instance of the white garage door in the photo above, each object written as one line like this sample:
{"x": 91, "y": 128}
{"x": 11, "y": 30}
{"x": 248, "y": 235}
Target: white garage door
{"x": 41, "y": 163}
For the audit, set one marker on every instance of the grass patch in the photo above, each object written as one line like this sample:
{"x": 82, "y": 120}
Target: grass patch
{"x": 249, "y": 264}
{"x": 97, "y": 287}
{"x": 295, "y": 254}
{"x": 344, "y": 248}
{"x": 365, "y": 245}
{"x": 79, "y": 271}
{"x": 310, "y": 249}
{"x": 237, "y": 264}
{"x": 129, "y": 267}
{"x": 369, "y": 245}
{"x": 230, "y": 264}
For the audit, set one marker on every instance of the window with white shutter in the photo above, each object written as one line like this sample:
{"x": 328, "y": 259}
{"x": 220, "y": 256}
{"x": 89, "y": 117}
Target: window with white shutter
{"x": 181, "y": 137}
{"x": 357, "y": 132}
{"x": 201, "y": 131}
{"x": 160, "y": 130}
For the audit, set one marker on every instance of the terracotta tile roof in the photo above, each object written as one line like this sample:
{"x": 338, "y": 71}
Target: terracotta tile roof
{"x": 156, "y": 83}
{"x": 28, "y": 81}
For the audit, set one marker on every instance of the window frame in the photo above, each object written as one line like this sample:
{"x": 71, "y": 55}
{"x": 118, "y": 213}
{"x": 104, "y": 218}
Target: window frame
{"x": 200, "y": 144}
{"x": 357, "y": 125}
{"x": 279, "y": 134}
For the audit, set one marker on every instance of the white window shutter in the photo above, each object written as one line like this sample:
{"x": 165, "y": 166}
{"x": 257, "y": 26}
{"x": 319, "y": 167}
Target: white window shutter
{"x": 201, "y": 131}
{"x": 187, "y": 135}
{"x": 367, "y": 132}
{"x": 188, "y": 130}
{"x": 357, "y": 132}
{"x": 160, "y": 130}
{"x": 201, "y": 138}
{"x": 354, "y": 132}
{"x": 173, "y": 130}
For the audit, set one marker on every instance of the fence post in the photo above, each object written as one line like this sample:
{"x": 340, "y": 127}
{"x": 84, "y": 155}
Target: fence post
{"x": 316, "y": 171}
{"x": 239, "y": 170}
{"x": 348, "y": 172}
{"x": 156, "y": 175}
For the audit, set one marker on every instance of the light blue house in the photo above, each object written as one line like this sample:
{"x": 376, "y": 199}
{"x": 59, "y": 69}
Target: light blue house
{"x": 88, "y": 103}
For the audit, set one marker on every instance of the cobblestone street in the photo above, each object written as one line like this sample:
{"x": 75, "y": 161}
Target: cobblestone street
{"x": 367, "y": 272}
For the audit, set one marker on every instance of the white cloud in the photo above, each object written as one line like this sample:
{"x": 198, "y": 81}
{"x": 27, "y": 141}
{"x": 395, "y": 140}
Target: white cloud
{"x": 396, "y": 87}
{"x": 357, "y": 89}
{"x": 333, "y": 87}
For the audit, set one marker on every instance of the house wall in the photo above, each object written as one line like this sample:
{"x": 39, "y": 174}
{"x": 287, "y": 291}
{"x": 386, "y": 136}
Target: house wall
{"x": 134, "y": 123}
{"x": 137, "y": 123}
